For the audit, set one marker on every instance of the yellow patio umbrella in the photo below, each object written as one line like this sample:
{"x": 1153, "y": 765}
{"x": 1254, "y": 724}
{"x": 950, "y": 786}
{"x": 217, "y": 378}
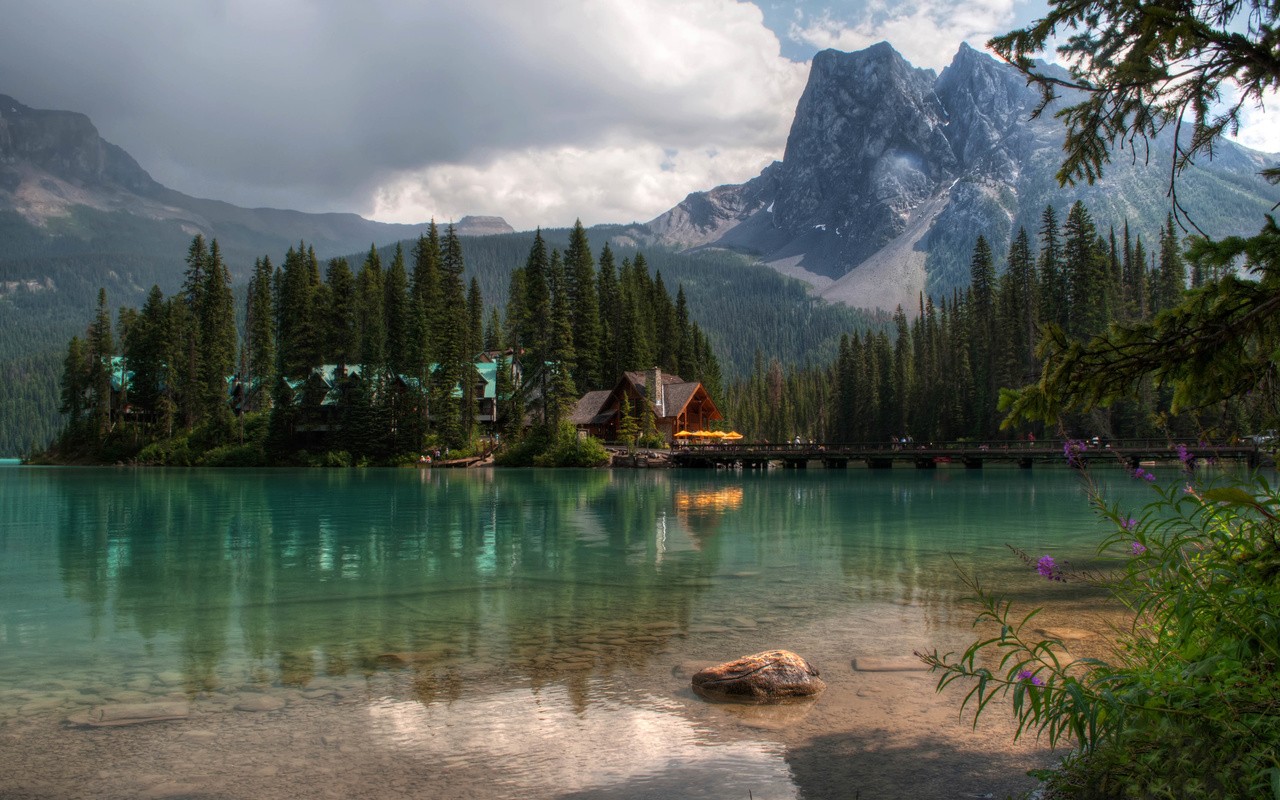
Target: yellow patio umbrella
{"x": 716, "y": 434}
{"x": 702, "y": 434}
{"x": 684, "y": 433}
{"x": 733, "y": 435}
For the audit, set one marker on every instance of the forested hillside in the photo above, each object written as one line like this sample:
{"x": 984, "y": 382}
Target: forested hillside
{"x": 739, "y": 307}
{"x": 939, "y": 377}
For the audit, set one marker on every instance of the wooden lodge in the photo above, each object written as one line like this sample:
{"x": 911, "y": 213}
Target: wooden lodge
{"x": 676, "y": 404}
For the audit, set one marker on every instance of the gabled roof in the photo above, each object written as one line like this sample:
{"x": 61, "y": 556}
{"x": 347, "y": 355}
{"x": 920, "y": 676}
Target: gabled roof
{"x": 489, "y": 372}
{"x": 588, "y": 408}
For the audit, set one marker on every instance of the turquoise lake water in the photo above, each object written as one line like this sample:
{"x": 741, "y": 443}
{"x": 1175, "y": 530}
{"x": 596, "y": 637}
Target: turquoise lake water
{"x": 508, "y": 633}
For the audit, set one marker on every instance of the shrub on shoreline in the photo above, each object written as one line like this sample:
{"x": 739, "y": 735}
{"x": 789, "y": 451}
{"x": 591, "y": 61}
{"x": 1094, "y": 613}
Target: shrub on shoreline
{"x": 1187, "y": 706}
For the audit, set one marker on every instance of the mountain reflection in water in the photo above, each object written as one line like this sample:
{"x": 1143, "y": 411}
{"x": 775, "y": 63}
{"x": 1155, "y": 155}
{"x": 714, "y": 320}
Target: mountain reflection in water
{"x": 468, "y": 619}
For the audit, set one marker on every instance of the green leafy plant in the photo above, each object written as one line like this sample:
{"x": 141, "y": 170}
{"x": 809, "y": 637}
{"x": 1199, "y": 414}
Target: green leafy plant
{"x": 1189, "y": 704}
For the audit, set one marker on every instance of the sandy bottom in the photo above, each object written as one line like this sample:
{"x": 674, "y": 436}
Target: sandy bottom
{"x": 609, "y": 718}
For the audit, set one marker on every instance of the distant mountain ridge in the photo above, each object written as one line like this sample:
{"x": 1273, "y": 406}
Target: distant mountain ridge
{"x": 55, "y": 162}
{"x": 891, "y": 172}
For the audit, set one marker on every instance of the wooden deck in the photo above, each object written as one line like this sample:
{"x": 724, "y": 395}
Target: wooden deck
{"x": 973, "y": 455}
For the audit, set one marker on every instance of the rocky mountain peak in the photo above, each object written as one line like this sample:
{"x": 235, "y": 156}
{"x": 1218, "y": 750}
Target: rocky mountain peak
{"x": 891, "y": 173}
{"x": 66, "y": 145}
{"x": 868, "y": 120}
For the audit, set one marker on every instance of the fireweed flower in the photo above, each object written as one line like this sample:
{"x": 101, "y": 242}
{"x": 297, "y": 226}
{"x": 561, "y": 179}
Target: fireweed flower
{"x": 1185, "y": 457}
{"x": 1139, "y": 548}
{"x": 1131, "y": 524}
{"x": 1048, "y": 569}
{"x": 1072, "y": 450}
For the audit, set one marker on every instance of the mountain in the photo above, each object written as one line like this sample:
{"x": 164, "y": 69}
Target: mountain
{"x": 891, "y": 172}
{"x": 60, "y": 177}
{"x": 78, "y": 213}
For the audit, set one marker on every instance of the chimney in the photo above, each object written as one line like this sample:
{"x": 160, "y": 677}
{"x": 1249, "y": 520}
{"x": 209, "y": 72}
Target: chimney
{"x": 653, "y": 388}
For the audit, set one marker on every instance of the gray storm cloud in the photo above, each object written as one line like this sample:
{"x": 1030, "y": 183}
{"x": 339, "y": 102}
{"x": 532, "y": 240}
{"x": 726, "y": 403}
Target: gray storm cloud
{"x": 316, "y": 105}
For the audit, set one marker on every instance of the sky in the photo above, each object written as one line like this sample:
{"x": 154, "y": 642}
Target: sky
{"x": 538, "y": 111}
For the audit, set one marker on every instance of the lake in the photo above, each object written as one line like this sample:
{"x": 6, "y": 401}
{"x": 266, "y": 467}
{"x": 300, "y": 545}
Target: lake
{"x": 511, "y": 633}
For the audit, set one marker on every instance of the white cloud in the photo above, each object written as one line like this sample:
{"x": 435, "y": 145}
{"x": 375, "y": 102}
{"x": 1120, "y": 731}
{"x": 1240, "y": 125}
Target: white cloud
{"x": 1255, "y": 129}
{"x": 926, "y": 32}
{"x": 335, "y": 105}
{"x": 622, "y": 181}
{"x": 702, "y": 80}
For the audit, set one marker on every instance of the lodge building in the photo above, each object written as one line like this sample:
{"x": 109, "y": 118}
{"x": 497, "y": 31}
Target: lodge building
{"x": 676, "y": 404}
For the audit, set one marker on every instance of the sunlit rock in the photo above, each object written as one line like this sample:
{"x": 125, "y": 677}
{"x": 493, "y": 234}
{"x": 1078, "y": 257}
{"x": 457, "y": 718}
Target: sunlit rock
{"x": 763, "y": 677}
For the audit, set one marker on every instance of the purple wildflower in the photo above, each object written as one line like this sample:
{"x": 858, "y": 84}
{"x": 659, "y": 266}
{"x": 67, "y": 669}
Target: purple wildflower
{"x": 1025, "y": 675}
{"x": 1072, "y": 449}
{"x": 1139, "y": 548}
{"x": 1139, "y": 472}
{"x": 1048, "y": 569}
{"x": 1185, "y": 457}
{"x": 1131, "y": 524}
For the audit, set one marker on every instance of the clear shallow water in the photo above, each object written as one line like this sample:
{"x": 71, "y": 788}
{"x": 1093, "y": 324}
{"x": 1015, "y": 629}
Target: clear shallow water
{"x": 506, "y": 633}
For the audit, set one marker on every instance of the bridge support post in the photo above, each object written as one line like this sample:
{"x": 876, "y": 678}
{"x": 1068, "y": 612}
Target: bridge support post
{"x": 1024, "y": 463}
{"x": 880, "y": 463}
{"x": 835, "y": 463}
{"x": 926, "y": 463}
{"x": 973, "y": 463}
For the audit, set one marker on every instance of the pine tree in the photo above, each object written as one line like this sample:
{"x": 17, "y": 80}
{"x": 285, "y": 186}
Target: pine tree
{"x": 454, "y": 366}
{"x": 1171, "y": 276}
{"x": 686, "y": 359}
{"x": 474, "y": 344}
{"x": 1086, "y": 272}
{"x": 146, "y": 348}
{"x": 260, "y": 337}
{"x": 535, "y": 325}
{"x": 101, "y": 351}
{"x": 75, "y": 381}
{"x": 396, "y": 312}
{"x": 610, "y": 294}
{"x": 560, "y": 353}
{"x": 1053, "y": 288}
{"x": 343, "y": 336}
{"x": 370, "y": 320}
{"x": 492, "y": 331}
{"x": 584, "y": 302}
{"x": 217, "y": 341}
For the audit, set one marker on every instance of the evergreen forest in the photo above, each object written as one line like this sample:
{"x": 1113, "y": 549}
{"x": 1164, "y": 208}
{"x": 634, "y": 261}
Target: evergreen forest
{"x": 376, "y": 364}
{"x": 939, "y": 375}
{"x": 334, "y": 364}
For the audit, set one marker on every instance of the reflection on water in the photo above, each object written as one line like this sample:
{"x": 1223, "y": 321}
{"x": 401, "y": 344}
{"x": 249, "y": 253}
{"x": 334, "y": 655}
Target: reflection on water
{"x": 499, "y": 605}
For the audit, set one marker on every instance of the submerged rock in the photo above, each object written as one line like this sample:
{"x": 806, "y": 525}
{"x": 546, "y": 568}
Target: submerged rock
{"x": 130, "y": 714}
{"x": 769, "y": 676}
{"x": 889, "y": 664}
{"x": 252, "y": 701}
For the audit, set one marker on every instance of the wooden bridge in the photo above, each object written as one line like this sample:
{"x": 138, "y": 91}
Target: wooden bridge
{"x": 972, "y": 455}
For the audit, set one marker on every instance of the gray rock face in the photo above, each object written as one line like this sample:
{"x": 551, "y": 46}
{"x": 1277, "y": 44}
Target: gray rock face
{"x": 866, "y": 147}
{"x": 482, "y": 226}
{"x": 66, "y": 145}
{"x": 891, "y": 173}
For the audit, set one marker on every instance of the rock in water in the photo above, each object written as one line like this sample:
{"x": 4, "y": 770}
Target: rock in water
{"x": 771, "y": 675}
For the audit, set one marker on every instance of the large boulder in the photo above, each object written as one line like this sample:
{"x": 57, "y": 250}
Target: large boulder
{"x": 774, "y": 675}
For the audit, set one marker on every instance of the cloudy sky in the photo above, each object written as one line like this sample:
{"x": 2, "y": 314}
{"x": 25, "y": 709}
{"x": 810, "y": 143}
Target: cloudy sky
{"x": 539, "y": 111}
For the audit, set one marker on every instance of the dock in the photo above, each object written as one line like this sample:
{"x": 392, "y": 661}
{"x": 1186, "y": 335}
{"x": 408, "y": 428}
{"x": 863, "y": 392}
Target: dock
{"x": 970, "y": 455}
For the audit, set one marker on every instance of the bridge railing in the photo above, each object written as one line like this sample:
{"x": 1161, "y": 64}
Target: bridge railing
{"x": 1026, "y": 448}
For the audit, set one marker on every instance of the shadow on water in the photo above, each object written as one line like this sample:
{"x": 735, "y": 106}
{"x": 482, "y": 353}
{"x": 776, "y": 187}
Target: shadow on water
{"x": 843, "y": 766}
